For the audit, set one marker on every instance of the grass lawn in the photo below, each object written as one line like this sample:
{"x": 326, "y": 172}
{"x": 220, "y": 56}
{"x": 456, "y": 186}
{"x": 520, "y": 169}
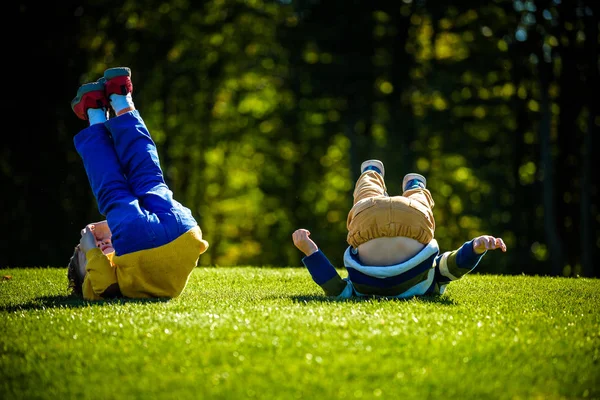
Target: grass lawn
{"x": 268, "y": 333}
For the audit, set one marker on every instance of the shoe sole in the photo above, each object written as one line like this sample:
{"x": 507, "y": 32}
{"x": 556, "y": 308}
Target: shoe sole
{"x": 116, "y": 72}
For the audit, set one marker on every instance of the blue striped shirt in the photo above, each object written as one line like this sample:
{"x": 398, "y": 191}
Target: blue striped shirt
{"x": 428, "y": 272}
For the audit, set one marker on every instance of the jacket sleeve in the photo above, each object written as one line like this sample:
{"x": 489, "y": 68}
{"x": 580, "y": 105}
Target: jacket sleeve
{"x": 100, "y": 281}
{"x": 325, "y": 275}
{"x": 452, "y": 265}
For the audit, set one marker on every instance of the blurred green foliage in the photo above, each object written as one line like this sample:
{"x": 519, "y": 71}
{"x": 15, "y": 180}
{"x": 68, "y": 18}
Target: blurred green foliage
{"x": 264, "y": 110}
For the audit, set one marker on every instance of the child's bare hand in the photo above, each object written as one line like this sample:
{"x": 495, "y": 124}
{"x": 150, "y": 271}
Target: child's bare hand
{"x": 486, "y": 242}
{"x": 303, "y": 242}
{"x": 101, "y": 230}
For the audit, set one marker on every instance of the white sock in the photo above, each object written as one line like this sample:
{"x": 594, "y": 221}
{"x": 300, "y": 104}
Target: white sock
{"x": 119, "y": 102}
{"x": 97, "y": 115}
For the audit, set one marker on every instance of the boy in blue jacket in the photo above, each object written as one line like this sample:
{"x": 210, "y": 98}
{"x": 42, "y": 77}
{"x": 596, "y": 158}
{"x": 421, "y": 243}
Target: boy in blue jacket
{"x": 149, "y": 243}
{"x": 392, "y": 251}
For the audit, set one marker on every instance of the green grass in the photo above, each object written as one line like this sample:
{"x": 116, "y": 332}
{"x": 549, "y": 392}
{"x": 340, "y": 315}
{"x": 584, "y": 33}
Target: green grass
{"x": 268, "y": 333}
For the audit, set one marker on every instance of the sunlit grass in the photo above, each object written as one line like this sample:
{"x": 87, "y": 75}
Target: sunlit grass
{"x": 270, "y": 334}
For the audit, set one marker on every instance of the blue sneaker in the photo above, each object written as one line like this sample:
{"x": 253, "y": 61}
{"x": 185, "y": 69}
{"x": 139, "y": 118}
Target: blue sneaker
{"x": 414, "y": 181}
{"x": 373, "y": 165}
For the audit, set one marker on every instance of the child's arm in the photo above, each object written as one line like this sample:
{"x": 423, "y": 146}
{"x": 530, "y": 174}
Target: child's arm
{"x": 321, "y": 270}
{"x": 100, "y": 281}
{"x": 452, "y": 265}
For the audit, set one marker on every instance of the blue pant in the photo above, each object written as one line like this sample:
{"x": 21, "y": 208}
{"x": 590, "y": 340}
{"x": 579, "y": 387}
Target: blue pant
{"x": 122, "y": 165}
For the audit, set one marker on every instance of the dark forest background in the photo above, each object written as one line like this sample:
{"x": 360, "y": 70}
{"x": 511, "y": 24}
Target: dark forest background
{"x": 264, "y": 110}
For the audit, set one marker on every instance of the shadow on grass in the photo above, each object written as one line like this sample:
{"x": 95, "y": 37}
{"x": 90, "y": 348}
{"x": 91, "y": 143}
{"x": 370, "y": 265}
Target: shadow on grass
{"x": 444, "y": 301}
{"x": 42, "y": 303}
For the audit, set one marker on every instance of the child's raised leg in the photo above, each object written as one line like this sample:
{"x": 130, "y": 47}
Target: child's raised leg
{"x": 414, "y": 187}
{"x": 370, "y": 183}
{"x": 95, "y": 147}
{"x": 139, "y": 158}
{"x": 134, "y": 145}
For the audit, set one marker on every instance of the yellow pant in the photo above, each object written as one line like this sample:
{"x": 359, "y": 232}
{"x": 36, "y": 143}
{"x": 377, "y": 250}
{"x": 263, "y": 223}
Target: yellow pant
{"x": 375, "y": 214}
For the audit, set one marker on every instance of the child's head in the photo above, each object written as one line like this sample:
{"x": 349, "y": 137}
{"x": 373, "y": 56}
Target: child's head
{"x": 76, "y": 271}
